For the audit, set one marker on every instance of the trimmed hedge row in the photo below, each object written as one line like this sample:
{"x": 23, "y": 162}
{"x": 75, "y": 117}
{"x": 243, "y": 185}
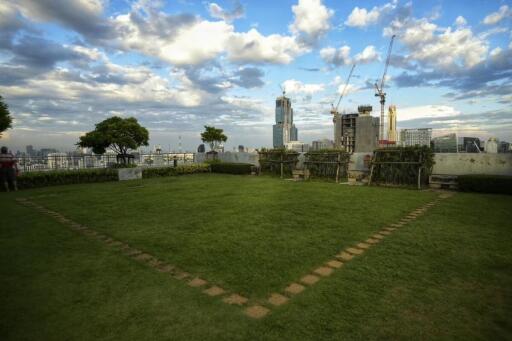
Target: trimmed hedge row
{"x": 68, "y": 177}
{"x": 231, "y": 168}
{"x": 65, "y": 177}
{"x": 500, "y": 184}
{"x": 173, "y": 171}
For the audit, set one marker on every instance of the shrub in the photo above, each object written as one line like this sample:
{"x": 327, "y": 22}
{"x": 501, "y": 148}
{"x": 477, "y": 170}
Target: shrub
{"x": 501, "y": 184}
{"x": 66, "y": 177}
{"x": 172, "y": 171}
{"x": 231, "y": 168}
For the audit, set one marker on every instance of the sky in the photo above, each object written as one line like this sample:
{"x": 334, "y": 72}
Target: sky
{"x": 179, "y": 65}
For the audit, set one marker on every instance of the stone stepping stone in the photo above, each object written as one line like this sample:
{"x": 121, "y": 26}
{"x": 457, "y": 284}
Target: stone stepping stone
{"x": 143, "y": 257}
{"x": 277, "y": 299}
{"x": 372, "y": 241}
{"x": 256, "y": 311}
{"x": 235, "y": 299}
{"x": 390, "y": 229}
{"x": 378, "y": 236}
{"x": 387, "y": 233}
{"x": 155, "y": 263}
{"x": 197, "y": 282}
{"x": 363, "y": 246}
{"x": 310, "y": 279}
{"x": 116, "y": 243}
{"x": 165, "y": 268}
{"x": 214, "y": 291}
{"x": 133, "y": 252}
{"x": 354, "y": 251}
{"x": 294, "y": 289}
{"x": 181, "y": 275}
{"x": 397, "y": 225}
{"x": 334, "y": 264}
{"x": 344, "y": 256}
{"x": 323, "y": 271}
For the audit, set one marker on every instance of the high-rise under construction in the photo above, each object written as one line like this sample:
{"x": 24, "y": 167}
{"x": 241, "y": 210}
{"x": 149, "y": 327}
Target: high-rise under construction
{"x": 392, "y": 134}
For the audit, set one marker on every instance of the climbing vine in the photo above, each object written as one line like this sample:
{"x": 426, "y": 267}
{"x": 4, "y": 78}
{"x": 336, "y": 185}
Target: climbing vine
{"x": 272, "y": 159}
{"x": 327, "y": 163}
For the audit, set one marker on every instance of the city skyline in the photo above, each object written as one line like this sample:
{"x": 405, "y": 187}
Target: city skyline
{"x": 177, "y": 66}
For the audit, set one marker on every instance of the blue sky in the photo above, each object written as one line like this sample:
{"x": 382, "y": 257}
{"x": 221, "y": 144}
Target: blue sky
{"x": 178, "y": 65}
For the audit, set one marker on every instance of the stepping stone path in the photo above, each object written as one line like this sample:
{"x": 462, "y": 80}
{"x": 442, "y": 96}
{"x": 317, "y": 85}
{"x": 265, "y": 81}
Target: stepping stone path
{"x": 235, "y": 299}
{"x": 256, "y": 311}
{"x": 309, "y": 279}
{"x": 323, "y": 271}
{"x": 335, "y": 264}
{"x": 275, "y": 299}
{"x": 294, "y": 289}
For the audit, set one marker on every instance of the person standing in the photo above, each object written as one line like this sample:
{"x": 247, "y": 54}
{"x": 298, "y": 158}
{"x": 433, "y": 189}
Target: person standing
{"x": 8, "y": 169}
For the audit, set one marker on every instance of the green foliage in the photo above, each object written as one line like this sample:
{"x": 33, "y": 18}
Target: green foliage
{"x": 405, "y": 169}
{"x": 173, "y": 171}
{"x": 271, "y": 159}
{"x": 213, "y": 136}
{"x": 68, "y": 177}
{"x": 324, "y": 163}
{"x": 231, "y": 168}
{"x": 501, "y": 184}
{"x": 116, "y": 133}
{"x": 5, "y": 116}
{"x": 123, "y": 165}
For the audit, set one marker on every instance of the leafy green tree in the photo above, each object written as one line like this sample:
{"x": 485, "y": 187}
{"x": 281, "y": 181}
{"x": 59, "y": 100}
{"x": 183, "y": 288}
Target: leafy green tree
{"x": 116, "y": 133}
{"x": 213, "y": 136}
{"x": 5, "y": 117}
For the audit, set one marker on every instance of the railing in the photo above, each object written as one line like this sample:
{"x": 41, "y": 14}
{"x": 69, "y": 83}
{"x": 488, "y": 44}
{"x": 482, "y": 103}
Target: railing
{"x": 74, "y": 162}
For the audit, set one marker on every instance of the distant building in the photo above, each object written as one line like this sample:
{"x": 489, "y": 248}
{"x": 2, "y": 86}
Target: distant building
{"x": 416, "y": 137}
{"x": 297, "y": 146}
{"x": 57, "y": 161}
{"x": 445, "y": 144}
{"x": 30, "y": 150}
{"x": 241, "y": 149}
{"x": 504, "y": 147}
{"x": 284, "y": 130}
{"x": 469, "y": 145}
{"x": 392, "y": 135}
{"x": 322, "y": 144}
{"x": 356, "y": 132}
{"x": 491, "y": 146}
{"x": 46, "y": 151}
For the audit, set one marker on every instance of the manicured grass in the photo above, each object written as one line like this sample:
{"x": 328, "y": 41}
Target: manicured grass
{"x": 447, "y": 275}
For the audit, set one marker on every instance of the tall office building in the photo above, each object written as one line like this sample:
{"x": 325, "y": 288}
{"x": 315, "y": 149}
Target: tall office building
{"x": 284, "y": 130}
{"x": 392, "y": 123}
{"x": 416, "y": 137}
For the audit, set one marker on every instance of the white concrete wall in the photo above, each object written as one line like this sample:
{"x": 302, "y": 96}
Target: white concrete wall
{"x": 235, "y": 157}
{"x": 472, "y": 163}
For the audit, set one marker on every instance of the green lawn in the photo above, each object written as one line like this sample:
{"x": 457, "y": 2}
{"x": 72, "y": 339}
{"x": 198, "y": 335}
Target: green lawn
{"x": 446, "y": 275}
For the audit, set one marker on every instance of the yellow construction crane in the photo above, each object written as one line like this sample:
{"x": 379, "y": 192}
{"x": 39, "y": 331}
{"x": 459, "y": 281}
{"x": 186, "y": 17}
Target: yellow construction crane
{"x": 380, "y": 92}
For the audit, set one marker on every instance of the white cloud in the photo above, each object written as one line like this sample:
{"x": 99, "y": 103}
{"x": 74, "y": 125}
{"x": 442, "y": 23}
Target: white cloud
{"x": 253, "y": 47}
{"x": 361, "y": 17}
{"x": 311, "y": 18}
{"x": 460, "y": 21}
{"x": 220, "y": 13}
{"x": 293, "y": 86}
{"x": 367, "y": 56}
{"x": 496, "y": 17}
{"x": 341, "y": 56}
{"x": 425, "y": 111}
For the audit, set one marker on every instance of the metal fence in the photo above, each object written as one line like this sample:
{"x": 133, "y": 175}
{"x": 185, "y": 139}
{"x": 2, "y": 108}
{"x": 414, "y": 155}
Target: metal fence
{"x": 74, "y": 162}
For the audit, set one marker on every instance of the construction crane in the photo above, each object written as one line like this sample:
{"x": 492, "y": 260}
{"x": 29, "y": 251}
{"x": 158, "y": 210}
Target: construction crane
{"x": 335, "y": 110}
{"x": 380, "y": 91}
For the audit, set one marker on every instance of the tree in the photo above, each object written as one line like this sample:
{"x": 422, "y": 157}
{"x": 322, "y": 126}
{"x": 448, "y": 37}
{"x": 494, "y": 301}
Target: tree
{"x": 213, "y": 136}
{"x": 116, "y": 133}
{"x": 5, "y": 116}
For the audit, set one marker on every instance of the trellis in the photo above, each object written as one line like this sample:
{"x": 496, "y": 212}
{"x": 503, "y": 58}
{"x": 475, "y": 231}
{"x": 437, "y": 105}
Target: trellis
{"x": 403, "y": 166}
{"x": 327, "y": 164}
{"x": 278, "y": 161}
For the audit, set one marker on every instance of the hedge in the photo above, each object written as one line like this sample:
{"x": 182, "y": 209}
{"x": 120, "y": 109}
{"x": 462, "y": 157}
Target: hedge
{"x": 500, "y": 184}
{"x": 68, "y": 177}
{"x": 231, "y": 168}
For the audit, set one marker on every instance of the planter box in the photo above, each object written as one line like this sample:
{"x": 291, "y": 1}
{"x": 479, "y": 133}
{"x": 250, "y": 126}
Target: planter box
{"x": 129, "y": 173}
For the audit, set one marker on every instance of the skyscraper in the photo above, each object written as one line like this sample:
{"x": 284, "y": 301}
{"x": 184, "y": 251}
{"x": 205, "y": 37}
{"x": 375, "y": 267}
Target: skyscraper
{"x": 392, "y": 123}
{"x": 284, "y": 130}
